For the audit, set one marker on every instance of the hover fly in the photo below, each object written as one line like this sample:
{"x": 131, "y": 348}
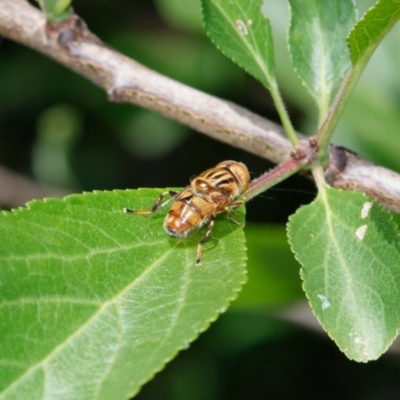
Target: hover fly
{"x": 213, "y": 191}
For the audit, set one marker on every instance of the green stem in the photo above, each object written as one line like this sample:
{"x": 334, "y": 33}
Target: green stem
{"x": 280, "y": 106}
{"x": 319, "y": 177}
{"x": 272, "y": 177}
{"x": 326, "y": 130}
{"x": 56, "y": 10}
{"x": 303, "y": 155}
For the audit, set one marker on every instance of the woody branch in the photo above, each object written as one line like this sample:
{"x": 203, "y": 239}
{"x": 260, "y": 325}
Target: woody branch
{"x": 124, "y": 80}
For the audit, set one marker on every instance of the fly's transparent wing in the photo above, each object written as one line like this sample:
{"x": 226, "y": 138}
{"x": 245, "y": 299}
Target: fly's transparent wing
{"x": 159, "y": 206}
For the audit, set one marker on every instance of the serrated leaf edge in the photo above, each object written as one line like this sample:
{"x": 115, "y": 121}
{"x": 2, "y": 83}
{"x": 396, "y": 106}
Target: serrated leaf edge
{"x": 28, "y": 208}
{"x": 269, "y": 81}
{"x": 197, "y": 333}
{"x": 289, "y": 235}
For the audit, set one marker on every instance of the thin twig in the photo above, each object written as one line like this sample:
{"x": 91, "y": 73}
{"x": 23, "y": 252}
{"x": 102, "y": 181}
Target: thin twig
{"x": 17, "y": 189}
{"x": 125, "y": 80}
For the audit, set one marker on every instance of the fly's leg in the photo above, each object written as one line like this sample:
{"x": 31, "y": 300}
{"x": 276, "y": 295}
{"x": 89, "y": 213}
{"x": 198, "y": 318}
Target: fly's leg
{"x": 231, "y": 211}
{"x": 203, "y": 240}
{"x": 155, "y": 205}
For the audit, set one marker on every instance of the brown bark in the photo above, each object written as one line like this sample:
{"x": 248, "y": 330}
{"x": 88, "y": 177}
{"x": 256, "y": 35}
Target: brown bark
{"x": 125, "y": 80}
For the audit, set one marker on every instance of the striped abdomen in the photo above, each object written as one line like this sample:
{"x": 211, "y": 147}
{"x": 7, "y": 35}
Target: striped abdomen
{"x": 188, "y": 214}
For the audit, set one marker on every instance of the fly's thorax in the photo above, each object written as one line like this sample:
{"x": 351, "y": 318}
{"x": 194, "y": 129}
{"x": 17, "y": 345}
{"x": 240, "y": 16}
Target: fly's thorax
{"x": 240, "y": 173}
{"x": 230, "y": 177}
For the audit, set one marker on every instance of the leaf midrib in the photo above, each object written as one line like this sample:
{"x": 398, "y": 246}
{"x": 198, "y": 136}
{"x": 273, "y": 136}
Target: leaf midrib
{"x": 111, "y": 302}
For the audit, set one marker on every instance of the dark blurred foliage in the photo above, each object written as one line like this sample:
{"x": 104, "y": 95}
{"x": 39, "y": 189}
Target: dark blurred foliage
{"x": 253, "y": 356}
{"x": 59, "y": 129}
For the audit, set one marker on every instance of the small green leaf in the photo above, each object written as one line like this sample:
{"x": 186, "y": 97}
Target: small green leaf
{"x": 317, "y": 45}
{"x": 362, "y": 42}
{"x": 349, "y": 249}
{"x": 94, "y": 302}
{"x": 371, "y": 29}
{"x": 240, "y": 30}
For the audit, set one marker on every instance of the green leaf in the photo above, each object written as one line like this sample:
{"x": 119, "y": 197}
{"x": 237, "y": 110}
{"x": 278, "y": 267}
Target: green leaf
{"x": 317, "y": 45}
{"x": 94, "y": 302}
{"x": 240, "y": 30}
{"x": 371, "y": 29}
{"x": 362, "y": 42}
{"x": 349, "y": 249}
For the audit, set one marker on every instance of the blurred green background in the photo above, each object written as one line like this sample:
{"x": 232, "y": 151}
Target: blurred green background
{"x": 59, "y": 130}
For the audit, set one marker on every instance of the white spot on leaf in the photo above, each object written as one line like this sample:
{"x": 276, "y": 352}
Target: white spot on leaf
{"x": 365, "y": 210}
{"x": 249, "y": 22}
{"x": 241, "y": 27}
{"x": 358, "y": 340}
{"x": 360, "y": 232}
{"x": 324, "y": 301}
